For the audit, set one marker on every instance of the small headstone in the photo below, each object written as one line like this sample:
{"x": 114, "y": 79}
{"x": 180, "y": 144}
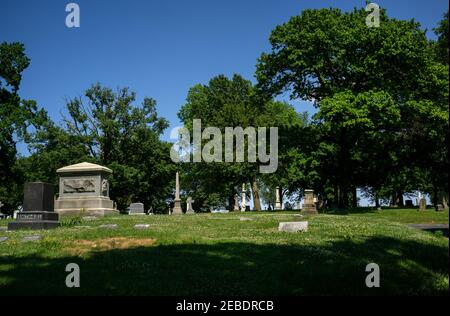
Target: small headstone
{"x": 189, "y": 209}
{"x": 2, "y": 239}
{"x": 142, "y": 226}
{"x": 309, "y": 207}
{"x": 89, "y": 218}
{"x": 82, "y": 226}
{"x": 243, "y": 219}
{"x": 32, "y": 238}
{"x": 298, "y": 215}
{"x": 293, "y": 227}
{"x": 136, "y": 209}
{"x": 110, "y": 226}
{"x": 422, "y": 204}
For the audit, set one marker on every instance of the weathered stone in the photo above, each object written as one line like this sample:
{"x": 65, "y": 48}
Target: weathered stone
{"x": 189, "y": 208}
{"x": 2, "y": 239}
{"x": 309, "y": 207}
{"x": 32, "y": 238}
{"x": 142, "y": 226}
{"x": 82, "y": 227}
{"x": 90, "y": 218}
{"x": 84, "y": 187}
{"x": 293, "y": 227}
{"x": 243, "y": 219}
{"x": 422, "y": 204}
{"x": 110, "y": 226}
{"x": 136, "y": 209}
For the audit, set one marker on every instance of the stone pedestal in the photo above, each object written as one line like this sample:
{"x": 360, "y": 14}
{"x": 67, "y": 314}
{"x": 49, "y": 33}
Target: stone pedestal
{"x": 309, "y": 207}
{"x": 84, "y": 187}
{"x": 38, "y": 204}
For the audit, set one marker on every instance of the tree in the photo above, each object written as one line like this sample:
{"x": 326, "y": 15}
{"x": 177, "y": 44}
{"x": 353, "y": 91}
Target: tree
{"x": 225, "y": 103}
{"x": 442, "y": 43}
{"x": 333, "y": 59}
{"x": 16, "y": 116}
{"x": 111, "y": 130}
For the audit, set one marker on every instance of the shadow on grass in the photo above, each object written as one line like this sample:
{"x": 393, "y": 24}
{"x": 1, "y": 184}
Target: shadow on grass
{"x": 407, "y": 267}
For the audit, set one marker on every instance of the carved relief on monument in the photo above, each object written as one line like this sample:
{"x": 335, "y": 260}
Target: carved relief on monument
{"x": 105, "y": 187}
{"x": 78, "y": 185}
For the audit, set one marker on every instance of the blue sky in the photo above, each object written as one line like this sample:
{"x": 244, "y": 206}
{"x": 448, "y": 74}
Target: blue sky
{"x": 158, "y": 48}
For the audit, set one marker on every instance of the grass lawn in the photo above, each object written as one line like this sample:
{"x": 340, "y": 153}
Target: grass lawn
{"x": 218, "y": 254}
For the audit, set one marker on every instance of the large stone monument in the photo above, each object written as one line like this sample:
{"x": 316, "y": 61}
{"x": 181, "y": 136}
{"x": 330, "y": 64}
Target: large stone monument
{"x": 177, "y": 206}
{"x": 309, "y": 207}
{"x": 38, "y": 208}
{"x": 84, "y": 186}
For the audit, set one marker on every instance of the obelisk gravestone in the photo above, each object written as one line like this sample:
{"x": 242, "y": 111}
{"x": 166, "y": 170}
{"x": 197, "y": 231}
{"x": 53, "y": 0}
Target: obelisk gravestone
{"x": 177, "y": 202}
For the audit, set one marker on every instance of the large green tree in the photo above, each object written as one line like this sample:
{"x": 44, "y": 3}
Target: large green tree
{"x": 16, "y": 117}
{"x": 347, "y": 69}
{"x": 108, "y": 128}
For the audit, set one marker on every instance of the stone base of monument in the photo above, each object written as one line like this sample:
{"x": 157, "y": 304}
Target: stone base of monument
{"x": 309, "y": 210}
{"x": 89, "y": 206}
{"x": 35, "y": 220}
{"x": 177, "y": 210}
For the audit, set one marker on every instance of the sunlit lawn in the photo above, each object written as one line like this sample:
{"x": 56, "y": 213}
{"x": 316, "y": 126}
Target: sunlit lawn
{"x": 218, "y": 254}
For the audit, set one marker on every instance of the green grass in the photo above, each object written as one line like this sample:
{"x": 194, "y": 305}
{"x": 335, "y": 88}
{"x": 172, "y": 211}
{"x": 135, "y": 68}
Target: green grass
{"x": 217, "y": 254}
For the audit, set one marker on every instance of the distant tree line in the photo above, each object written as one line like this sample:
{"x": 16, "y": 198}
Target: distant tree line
{"x": 382, "y": 121}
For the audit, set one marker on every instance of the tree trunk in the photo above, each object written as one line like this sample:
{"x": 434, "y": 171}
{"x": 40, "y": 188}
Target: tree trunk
{"x": 377, "y": 200}
{"x": 354, "y": 198}
{"x": 256, "y": 200}
{"x": 231, "y": 203}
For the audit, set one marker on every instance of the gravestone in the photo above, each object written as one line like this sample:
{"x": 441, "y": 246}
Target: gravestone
{"x": 293, "y": 227}
{"x": 110, "y": 226}
{"x": 84, "y": 187}
{"x": 309, "y": 207}
{"x": 141, "y": 226}
{"x": 422, "y": 204}
{"x": 277, "y": 199}
{"x": 236, "y": 203}
{"x": 32, "y": 238}
{"x": 136, "y": 209}
{"x": 189, "y": 209}
{"x": 177, "y": 202}
{"x": 38, "y": 208}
